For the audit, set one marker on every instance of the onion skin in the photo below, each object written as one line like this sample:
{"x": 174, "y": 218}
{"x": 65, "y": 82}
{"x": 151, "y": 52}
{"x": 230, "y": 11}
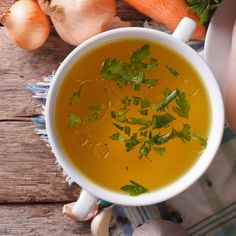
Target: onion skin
{"x": 77, "y": 20}
{"x": 230, "y": 98}
{"x": 26, "y": 25}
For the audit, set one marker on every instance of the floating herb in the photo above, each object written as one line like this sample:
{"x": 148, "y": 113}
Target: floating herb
{"x": 134, "y": 189}
{"x": 76, "y": 96}
{"x": 172, "y": 71}
{"x": 91, "y": 117}
{"x": 144, "y": 150}
{"x": 184, "y": 134}
{"x": 116, "y": 136}
{"x": 138, "y": 121}
{"x": 201, "y": 140}
{"x": 96, "y": 107}
{"x": 152, "y": 65}
{"x": 130, "y": 73}
{"x": 159, "y": 150}
{"x": 73, "y": 120}
{"x": 131, "y": 143}
{"x": 160, "y": 121}
{"x": 168, "y": 99}
{"x": 138, "y": 56}
{"x": 145, "y": 103}
{"x": 183, "y": 106}
{"x": 136, "y": 100}
{"x": 144, "y": 112}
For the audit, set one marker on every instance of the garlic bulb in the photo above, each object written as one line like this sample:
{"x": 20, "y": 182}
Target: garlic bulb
{"x": 77, "y": 20}
{"x": 26, "y": 25}
{"x": 100, "y": 223}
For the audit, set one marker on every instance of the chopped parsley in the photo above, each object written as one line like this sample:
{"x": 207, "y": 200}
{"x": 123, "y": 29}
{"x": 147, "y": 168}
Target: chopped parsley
{"x": 134, "y": 189}
{"x": 132, "y": 73}
{"x": 73, "y": 120}
{"x": 173, "y": 71}
{"x": 96, "y": 107}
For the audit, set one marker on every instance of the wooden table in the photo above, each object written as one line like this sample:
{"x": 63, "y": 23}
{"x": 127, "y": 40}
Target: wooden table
{"x": 33, "y": 191}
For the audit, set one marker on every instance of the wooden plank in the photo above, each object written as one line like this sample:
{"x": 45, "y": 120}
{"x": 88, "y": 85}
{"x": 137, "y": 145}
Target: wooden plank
{"x": 18, "y": 67}
{"x": 27, "y": 168}
{"x": 38, "y": 220}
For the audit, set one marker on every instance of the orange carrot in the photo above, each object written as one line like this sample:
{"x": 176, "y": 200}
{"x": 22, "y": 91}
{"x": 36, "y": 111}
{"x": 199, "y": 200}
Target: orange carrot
{"x": 168, "y": 12}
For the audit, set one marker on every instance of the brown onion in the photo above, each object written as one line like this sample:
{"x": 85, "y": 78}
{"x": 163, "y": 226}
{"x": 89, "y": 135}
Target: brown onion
{"x": 26, "y": 25}
{"x": 77, "y": 20}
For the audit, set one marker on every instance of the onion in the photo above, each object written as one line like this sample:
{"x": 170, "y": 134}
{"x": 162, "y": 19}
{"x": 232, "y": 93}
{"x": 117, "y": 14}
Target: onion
{"x": 26, "y": 25}
{"x": 77, "y": 20}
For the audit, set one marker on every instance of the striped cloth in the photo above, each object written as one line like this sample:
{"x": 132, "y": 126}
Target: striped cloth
{"x": 208, "y": 207}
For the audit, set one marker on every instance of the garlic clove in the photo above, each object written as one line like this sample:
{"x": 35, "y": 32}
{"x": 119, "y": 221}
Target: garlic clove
{"x": 160, "y": 228}
{"x": 77, "y": 20}
{"x": 100, "y": 223}
{"x": 67, "y": 210}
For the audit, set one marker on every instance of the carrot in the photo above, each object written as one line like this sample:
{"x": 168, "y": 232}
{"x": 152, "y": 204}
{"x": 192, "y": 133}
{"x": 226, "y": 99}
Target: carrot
{"x": 169, "y": 13}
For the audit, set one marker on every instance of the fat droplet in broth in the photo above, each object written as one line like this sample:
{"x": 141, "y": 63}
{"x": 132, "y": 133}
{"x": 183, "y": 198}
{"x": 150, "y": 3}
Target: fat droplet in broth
{"x": 189, "y": 87}
{"x": 80, "y": 137}
{"x": 101, "y": 150}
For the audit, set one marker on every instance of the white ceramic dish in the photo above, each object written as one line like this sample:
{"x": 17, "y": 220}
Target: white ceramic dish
{"x": 92, "y": 191}
{"x": 218, "y": 41}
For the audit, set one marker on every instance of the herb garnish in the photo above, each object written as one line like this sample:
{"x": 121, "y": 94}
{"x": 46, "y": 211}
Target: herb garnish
{"x": 73, "y": 120}
{"x": 134, "y": 189}
{"x": 152, "y": 129}
{"x": 183, "y": 106}
{"x": 132, "y": 73}
{"x": 172, "y": 71}
{"x": 95, "y": 107}
{"x": 91, "y": 117}
{"x": 76, "y": 96}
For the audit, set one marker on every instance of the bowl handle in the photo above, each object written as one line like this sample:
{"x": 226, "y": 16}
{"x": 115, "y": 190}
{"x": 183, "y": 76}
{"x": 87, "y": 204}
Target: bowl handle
{"x": 84, "y": 204}
{"x": 185, "y": 29}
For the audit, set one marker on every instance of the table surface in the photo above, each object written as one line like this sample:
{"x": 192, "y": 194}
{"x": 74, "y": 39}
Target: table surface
{"x": 33, "y": 191}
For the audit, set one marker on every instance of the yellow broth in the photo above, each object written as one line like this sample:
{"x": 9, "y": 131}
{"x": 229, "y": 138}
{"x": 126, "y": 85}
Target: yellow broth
{"x": 88, "y": 146}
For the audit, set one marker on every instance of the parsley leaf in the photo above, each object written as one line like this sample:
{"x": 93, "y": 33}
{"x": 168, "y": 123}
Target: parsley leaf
{"x": 138, "y": 121}
{"x": 139, "y": 55}
{"x": 201, "y": 140}
{"x": 73, "y": 120}
{"x": 131, "y": 143}
{"x": 91, "y": 117}
{"x": 184, "y": 134}
{"x": 144, "y": 150}
{"x": 145, "y": 103}
{"x": 152, "y": 65}
{"x": 183, "y": 106}
{"x": 116, "y": 136}
{"x": 168, "y": 99}
{"x": 159, "y": 150}
{"x": 76, "y": 96}
{"x": 144, "y": 112}
{"x": 130, "y": 73}
{"x": 134, "y": 189}
{"x": 173, "y": 71}
{"x": 161, "y": 139}
{"x": 96, "y": 107}
{"x": 203, "y": 8}
{"x": 160, "y": 121}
